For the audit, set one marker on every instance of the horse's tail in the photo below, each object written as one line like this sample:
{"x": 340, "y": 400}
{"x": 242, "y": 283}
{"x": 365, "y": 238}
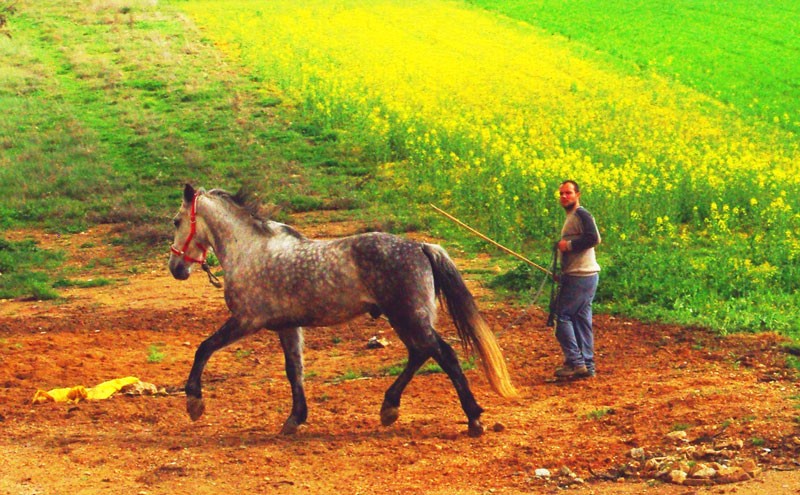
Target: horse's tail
{"x": 472, "y": 328}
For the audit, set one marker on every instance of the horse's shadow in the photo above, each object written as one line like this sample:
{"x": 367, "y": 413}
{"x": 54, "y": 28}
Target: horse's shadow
{"x": 304, "y": 437}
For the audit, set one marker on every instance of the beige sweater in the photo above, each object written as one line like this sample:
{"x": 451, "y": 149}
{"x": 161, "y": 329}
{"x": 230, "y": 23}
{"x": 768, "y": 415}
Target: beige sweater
{"x": 581, "y": 231}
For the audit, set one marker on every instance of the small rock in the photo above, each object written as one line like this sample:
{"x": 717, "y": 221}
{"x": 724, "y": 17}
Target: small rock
{"x": 677, "y": 477}
{"x": 751, "y": 467}
{"x": 498, "y": 427}
{"x": 567, "y": 472}
{"x": 698, "y": 482}
{"x": 638, "y": 453}
{"x": 568, "y": 478}
{"x": 731, "y": 475}
{"x": 139, "y": 388}
{"x": 663, "y": 472}
{"x": 735, "y": 444}
{"x": 542, "y": 473}
{"x": 377, "y": 343}
{"x": 702, "y": 471}
{"x": 677, "y": 436}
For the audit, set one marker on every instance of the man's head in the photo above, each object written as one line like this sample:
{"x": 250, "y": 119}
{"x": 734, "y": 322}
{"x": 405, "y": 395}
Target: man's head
{"x": 569, "y": 194}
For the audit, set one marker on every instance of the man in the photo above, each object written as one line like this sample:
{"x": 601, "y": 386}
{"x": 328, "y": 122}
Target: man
{"x": 578, "y": 279}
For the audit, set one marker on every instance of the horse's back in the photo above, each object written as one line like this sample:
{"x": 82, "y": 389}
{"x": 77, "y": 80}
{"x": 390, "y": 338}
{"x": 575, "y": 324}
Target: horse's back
{"x": 387, "y": 254}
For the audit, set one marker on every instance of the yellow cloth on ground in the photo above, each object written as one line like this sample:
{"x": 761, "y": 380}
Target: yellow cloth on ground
{"x": 79, "y": 393}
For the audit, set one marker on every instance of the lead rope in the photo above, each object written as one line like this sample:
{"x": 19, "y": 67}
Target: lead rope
{"x": 524, "y": 313}
{"x": 555, "y": 292}
{"x": 212, "y": 279}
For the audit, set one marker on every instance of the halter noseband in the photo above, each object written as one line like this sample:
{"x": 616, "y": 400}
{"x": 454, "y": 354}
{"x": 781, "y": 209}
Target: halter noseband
{"x": 192, "y": 232}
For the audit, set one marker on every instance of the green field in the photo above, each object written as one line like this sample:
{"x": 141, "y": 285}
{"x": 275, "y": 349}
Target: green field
{"x": 680, "y": 121}
{"x": 110, "y": 107}
{"x": 741, "y": 53}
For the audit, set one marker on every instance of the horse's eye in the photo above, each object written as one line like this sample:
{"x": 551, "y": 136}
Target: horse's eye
{"x": 176, "y": 222}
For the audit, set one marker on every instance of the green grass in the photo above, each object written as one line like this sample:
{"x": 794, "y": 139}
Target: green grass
{"x": 681, "y": 427}
{"x": 793, "y": 362}
{"x": 82, "y": 284}
{"x": 112, "y": 113}
{"x": 241, "y": 354}
{"x": 598, "y": 414}
{"x": 26, "y": 270}
{"x": 107, "y": 115}
{"x": 350, "y": 375}
{"x": 427, "y": 369}
{"x": 155, "y": 353}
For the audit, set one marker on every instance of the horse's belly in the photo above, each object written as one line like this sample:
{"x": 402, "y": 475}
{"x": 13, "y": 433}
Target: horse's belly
{"x": 285, "y": 303}
{"x": 338, "y": 315}
{"x": 314, "y": 313}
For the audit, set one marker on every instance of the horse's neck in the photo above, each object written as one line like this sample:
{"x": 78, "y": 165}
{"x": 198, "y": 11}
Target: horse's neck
{"x": 238, "y": 241}
{"x": 230, "y": 234}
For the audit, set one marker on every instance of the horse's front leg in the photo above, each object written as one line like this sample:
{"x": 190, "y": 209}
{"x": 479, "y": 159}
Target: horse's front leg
{"x": 229, "y": 332}
{"x": 292, "y": 343}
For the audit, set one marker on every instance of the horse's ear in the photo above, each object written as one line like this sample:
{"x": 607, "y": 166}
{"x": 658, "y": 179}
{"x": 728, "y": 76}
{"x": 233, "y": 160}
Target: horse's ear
{"x": 188, "y": 194}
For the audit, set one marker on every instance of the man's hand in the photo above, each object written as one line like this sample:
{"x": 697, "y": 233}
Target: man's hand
{"x": 563, "y": 245}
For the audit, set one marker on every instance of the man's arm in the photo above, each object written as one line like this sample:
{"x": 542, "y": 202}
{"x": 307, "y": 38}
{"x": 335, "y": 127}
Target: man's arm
{"x": 590, "y": 237}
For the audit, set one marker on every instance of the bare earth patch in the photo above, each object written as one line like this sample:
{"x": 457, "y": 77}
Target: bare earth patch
{"x": 732, "y": 396}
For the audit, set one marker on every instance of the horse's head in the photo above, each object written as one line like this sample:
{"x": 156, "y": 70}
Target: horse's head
{"x": 189, "y": 245}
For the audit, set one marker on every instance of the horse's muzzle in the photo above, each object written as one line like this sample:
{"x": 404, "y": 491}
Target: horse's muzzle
{"x": 178, "y": 268}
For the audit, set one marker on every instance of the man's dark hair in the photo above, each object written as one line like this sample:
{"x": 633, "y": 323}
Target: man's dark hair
{"x": 574, "y": 185}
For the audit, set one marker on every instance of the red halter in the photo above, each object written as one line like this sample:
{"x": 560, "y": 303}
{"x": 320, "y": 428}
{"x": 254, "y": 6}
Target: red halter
{"x": 193, "y": 220}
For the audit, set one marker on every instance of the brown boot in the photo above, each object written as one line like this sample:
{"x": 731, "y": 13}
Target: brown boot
{"x": 568, "y": 371}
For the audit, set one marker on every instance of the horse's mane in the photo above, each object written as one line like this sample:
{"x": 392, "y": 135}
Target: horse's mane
{"x": 243, "y": 198}
{"x": 246, "y": 201}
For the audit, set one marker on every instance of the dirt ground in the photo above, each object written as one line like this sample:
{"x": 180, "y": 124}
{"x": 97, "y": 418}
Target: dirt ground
{"x": 733, "y": 397}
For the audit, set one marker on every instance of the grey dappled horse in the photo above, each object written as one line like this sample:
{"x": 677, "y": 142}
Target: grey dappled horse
{"x": 279, "y": 280}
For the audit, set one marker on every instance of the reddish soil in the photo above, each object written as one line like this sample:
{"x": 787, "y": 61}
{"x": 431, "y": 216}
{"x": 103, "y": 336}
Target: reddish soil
{"x": 652, "y": 379}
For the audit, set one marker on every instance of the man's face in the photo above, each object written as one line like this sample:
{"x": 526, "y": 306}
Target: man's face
{"x": 568, "y": 197}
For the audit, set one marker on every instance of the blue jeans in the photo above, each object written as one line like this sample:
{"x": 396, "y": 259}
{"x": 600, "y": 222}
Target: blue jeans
{"x": 574, "y": 320}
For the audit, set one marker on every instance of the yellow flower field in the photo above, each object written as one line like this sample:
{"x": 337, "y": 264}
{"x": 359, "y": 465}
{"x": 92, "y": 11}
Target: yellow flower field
{"x": 486, "y": 115}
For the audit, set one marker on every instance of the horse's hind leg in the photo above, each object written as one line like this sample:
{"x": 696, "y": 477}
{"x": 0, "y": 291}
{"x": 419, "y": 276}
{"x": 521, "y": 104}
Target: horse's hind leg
{"x": 390, "y": 410}
{"x": 292, "y": 343}
{"x": 421, "y": 345}
{"x": 447, "y": 359}
{"x": 228, "y": 333}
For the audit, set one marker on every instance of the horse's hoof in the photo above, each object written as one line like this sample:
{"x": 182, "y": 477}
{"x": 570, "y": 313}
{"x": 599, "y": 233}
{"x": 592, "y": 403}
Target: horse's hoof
{"x": 195, "y": 407}
{"x": 389, "y": 415}
{"x": 476, "y": 428}
{"x": 290, "y": 427}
